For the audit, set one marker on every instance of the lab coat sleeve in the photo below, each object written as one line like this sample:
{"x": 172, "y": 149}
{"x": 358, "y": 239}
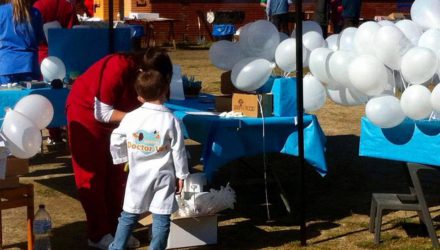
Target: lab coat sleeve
{"x": 179, "y": 151}
{"x": 118, "y": 145}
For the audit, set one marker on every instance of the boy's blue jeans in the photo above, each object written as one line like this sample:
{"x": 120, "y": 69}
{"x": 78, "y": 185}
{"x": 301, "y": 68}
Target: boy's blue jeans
{"x": 161, "y": 230}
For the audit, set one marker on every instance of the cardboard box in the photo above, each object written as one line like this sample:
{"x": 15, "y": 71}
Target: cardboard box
{"x": 16, "y": 166}
{"x": 9, "y": 182}
{"x": 223, "y": 103}
{"x": 189, "y": 231}
{"x": 248, "y": 104}
{"x": 396, "y": 16}
{"x": 193, "y": 231}
{"x": 226, "y": 86}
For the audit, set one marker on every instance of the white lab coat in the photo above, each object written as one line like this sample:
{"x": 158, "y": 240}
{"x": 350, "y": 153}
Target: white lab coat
{"x": 150, "y": 139}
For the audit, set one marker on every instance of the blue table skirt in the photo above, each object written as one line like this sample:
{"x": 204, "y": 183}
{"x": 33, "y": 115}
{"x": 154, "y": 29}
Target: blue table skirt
{"x": 411, "y": 141}
{"x": 8, "y": 98}
{"x": 226, "y": 139}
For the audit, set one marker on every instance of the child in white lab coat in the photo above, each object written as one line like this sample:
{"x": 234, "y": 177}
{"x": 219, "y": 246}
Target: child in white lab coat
{"x": 150, "y": 140}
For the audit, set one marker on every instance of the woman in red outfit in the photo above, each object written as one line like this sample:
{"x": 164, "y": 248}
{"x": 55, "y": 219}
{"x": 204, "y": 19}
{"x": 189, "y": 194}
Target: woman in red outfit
{"x": 96, "y": 104}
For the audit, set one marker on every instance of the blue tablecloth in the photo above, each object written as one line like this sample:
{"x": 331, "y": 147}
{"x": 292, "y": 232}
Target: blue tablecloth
{"x": 226, "y": 139}
{"x": 8, "y": 98}
{"x": 411, "y": 141}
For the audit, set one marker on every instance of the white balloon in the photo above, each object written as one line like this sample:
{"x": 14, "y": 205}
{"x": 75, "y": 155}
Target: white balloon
{"x": 23, "y": 138}
{"x": 260, "y": 39}
{"x": 332, "y": 42}
{"x": 338, "y": 66}
{"x": 224, "y": 54}
{"x": 52, "y": 68}
{"x": 364, "y": 38}
{"x": 368, "y": 75}
{"x": 426, "y": 13}
{"x": 385, "y": 23}
{"x": 36, "y": 108}
{"x": 346, "y": 39}
{"x": 314, "y": 93}
{"x": 285, "y": 55}
{"x": 313, "y": 40}
{"x": 346, "y": 96}
{"x": 410, "y": 29}
{"x": 390, "y": 44}
{"x": 430, "y": 39}
{"x": 384, "y": 111}
{"x": 251, "y": 73}
{"x": 415, "y": 102}
{"x": 435, "y": 98}
{"x": 309, "y": 26}
{"x": 318, "y": 64}
{"x": 419, "y": 65}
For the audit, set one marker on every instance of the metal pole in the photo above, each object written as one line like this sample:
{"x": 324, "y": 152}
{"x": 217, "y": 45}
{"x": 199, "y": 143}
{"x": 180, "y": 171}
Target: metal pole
{"x": 111, "y": 41}
{"x": 300, "y": 107}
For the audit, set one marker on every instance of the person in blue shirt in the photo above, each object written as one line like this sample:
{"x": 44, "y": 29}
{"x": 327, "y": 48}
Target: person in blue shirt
{"x": 351, "y": 13}
{"x": 21, "y": 30}
{"x": 277, "y": 13}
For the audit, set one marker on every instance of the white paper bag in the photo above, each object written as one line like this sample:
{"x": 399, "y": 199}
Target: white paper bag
{"x": 176, "y": 90}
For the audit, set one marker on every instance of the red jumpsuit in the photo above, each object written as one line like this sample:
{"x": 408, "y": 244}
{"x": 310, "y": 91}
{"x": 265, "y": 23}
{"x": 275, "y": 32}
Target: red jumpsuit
{"x": 55, "y": 10}
{"x": 100, "y": 184}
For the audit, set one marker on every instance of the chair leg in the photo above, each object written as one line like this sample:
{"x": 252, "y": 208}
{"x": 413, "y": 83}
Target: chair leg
{"x": 372, "y": 214}
{"x": 378, "y": 224}
{"x": 428, "y": 223}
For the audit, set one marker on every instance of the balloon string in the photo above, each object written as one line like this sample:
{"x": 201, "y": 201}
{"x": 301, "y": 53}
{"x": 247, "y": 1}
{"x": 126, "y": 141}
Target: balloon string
{"x": 394, "y": 81}
{"x": 403, "y": 82}
{"x": 264, "y": 158}
{"x": 431, "y": 116}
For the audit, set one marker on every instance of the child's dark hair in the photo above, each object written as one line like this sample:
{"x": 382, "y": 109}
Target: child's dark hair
{"x": 151, "y": 85}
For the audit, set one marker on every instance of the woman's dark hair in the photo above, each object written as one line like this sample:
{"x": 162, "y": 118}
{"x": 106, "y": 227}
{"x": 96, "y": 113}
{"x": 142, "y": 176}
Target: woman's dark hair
{"x": 151, "y": 85}
{"x": 156, "y": 59}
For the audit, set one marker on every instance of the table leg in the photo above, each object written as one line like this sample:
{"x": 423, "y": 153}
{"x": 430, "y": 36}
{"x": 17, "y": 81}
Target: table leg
{"x": 30, "y": 217}
{"x": 413, "y": 170}
{"x": 171, "y": 34}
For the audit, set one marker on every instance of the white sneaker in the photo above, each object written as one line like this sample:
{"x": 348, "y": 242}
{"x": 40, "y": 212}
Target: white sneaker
{"x": 133, "y": 242}
{"x": 103, "y": 243}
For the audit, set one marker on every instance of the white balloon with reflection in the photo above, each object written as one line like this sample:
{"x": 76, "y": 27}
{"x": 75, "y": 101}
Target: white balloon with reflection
{"x": 251, "y": 73}
{"x": 36, "y": 108}
{"x": 225, "y": 54}
{"x": 346, "y": 96}
{"x": 415, "y": 102}
{"x": 23, "y": 138}
{"x": 364, "y": 38}
{"x": 338, "y": 66}
{"x": 435, "y": 98}
{"x": 426, "y": 13}
{"x": 52, "y": 68}
{"x": 260, "y": 39}
{"x": 314, "y": 93}
{"x": 384, "y": 111}
{"x": 410, "y": 29}
{"x": 285, "y": 55}
{"x": 419, "y": 65}
{"x": 332, "y": 42}
{"x": 346, "y": 39}
{"x": 368, "y": 75}
{"x": 318, "y": 65}
{"x": 390, "y": 44}
{"x": 313, "y": 40}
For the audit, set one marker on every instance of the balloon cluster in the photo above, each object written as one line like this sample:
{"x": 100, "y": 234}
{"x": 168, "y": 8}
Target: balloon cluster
{"x": 21, "y": 126}
{"x": 359, "y": 65}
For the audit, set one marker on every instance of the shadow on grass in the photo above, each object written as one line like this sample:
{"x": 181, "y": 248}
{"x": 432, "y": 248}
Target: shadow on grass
{"x": 344, "y": 191}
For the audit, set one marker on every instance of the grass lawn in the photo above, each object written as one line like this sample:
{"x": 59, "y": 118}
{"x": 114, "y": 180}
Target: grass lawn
{"x": 337, "y": 205}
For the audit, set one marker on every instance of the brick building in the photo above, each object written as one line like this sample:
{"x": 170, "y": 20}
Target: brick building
{"x": 189, "y": 13}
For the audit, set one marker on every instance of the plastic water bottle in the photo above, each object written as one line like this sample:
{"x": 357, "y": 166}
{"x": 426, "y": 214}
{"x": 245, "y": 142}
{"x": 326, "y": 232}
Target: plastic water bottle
{"x": 42, "y": 228}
